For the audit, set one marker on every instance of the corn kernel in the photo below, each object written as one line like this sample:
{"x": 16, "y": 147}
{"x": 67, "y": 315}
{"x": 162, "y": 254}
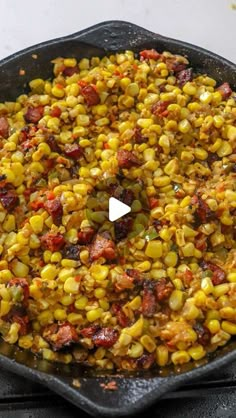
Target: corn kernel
{"x": 36, "y": 223}
{"x": 154, "y": 249}
{"x": 49, "y": 272}
{"x": 72, "y": 285}
{"x": 180, "y": 357}
{"x": 94, "y": 314}
{"x": 229, "y": 327}
{"x": 197, "y": 352}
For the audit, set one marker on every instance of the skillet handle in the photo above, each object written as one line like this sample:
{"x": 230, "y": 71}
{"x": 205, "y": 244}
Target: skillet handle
{"x": 117, "y": 35}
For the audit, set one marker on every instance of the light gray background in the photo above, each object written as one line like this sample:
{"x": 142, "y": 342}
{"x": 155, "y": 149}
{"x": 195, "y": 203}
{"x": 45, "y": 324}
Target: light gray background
{"x": 208, "y": 23}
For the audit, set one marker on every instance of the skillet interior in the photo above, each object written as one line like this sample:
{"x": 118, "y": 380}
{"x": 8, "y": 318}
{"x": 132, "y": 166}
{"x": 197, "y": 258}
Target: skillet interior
{"x": 134, "y": 391}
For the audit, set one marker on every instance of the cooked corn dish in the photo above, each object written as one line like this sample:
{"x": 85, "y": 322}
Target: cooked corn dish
{"x": 157, "y": 286}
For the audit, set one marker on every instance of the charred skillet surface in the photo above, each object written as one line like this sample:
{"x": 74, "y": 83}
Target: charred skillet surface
{"x": 134, "y": 391}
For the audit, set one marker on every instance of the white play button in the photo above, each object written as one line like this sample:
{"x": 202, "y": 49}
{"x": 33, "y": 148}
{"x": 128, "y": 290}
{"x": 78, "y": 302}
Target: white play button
{"x": 117, "y": 209}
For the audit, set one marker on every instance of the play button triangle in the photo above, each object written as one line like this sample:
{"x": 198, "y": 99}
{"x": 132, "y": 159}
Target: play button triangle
{"x": 117, "y": 209}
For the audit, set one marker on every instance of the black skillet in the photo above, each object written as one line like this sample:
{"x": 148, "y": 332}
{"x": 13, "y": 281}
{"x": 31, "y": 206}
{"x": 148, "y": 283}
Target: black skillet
{"x": 134, "y": 391}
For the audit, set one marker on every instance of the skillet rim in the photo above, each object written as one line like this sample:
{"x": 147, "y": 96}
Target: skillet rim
{"x": 153, "y": 388}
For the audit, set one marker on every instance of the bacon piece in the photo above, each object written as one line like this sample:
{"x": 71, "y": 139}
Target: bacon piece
{"x": 86, "y": 235}
{"x": 102, "y": 247}
{"x": 160, "y": 108}
{"x": 184, "y": 76}
{"x": 212, "y": 158}
{"x": 69, "y": 71}
{"x": 203, "y": 212}
{"x": 122, "y": 228}
{"x": 164, "y": 288}
{"x": 225, "y": 90}
{"x": 219, "y": 275}
{"x": 149, "y": 302}
{"x": 4, "y": 127}
{"x": 9, "y": 199}
{"x": 34, "y": 114}
{"x": 71, "y": 252}
{"x": 174, "y": 65}
{"x": 18, "y": 314}
{"x": 201, "y": 242}
{"x": 203, "y": 334}
{"x": 138, "y": 137}
{"x": 60, "y": 336}
{"x": 24, "y": 323}
{"x": 53, "y": 144}
{"x": 124, "y": 195}
{"x": 122, "y": 319}
{"x": 52, "y": 242}
{"x": 24, "y": 285}
{"x": 73, "y": 151}
{"x": 90, "y": 95}
{"x": 145, "y": 361}
{"x": 55, "y": 209}
{"x": 136, "y": 275}
{"x": 149, "y": 54}
{"x": 126, "y": 159}
{"x": 105, "y": 337}
{"x": 90, "y": 331}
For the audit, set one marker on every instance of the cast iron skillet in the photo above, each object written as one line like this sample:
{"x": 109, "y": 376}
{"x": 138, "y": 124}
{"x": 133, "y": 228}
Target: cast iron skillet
{"x": 134, "y": 391}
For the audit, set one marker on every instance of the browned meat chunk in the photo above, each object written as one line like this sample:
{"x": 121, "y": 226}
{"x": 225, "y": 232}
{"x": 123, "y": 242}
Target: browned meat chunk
{"x": 34, "y": 114}
{"x": 225, "y": 90}
{"x": 203, "y": 334}
{"x": 105, "y": 337}
{"x": 9, "y": 199}
{"x": 73, "y": 151}
{"x": 90, "y": 95}
{"x": 4, "y": 127}
{"x": 150, "y": 54}
{"x": 52, "y": 242}
{"x": 85, "y": 236}
{"x": 218, "y": 276}
{"x": 164, "y": 288}
{"x": 60, "y": 336}
{"x": 184, "y": 76}
{"x": 54, "y": 208}
{"x": 149, "y": 303}
{"x": 122, "y": 319}
{"x": 126, "y": 159}
{"x": 102, "y": 247}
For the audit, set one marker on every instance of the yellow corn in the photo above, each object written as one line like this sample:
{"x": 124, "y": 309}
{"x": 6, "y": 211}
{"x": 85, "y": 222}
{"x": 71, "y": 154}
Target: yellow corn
{"x": 176, "y": 300}
{"x": 197, "y": 352}
{"x": 180, "y": 357}
{"x": 229, "y": 327}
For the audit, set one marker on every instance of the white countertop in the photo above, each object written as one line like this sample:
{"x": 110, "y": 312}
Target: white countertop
{"x": 208, "y": 23}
